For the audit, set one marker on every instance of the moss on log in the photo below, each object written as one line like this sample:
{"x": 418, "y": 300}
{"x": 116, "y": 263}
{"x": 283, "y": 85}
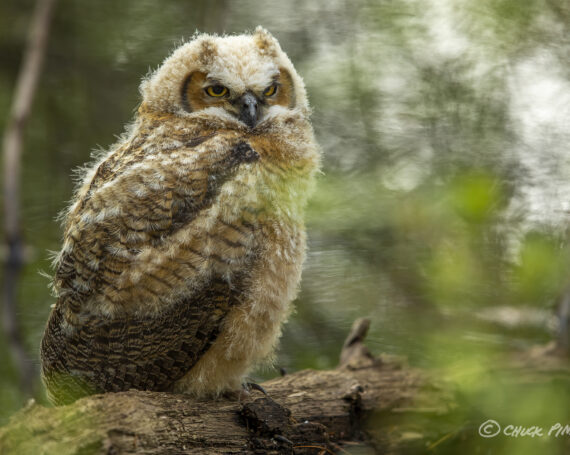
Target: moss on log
{"x": 314, "y": 412}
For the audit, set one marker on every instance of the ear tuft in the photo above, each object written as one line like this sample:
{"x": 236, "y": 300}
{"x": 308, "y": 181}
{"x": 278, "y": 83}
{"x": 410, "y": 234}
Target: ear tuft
{"x": 207, "y": 52}
{"x": 265, "y": 41}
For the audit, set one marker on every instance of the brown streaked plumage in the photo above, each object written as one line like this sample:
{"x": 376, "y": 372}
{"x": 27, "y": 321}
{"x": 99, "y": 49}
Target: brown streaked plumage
{"x": 184, "y": 243}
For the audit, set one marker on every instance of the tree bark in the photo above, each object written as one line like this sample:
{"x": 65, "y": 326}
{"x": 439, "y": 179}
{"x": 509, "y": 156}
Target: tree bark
{"x": 313, "y": 412}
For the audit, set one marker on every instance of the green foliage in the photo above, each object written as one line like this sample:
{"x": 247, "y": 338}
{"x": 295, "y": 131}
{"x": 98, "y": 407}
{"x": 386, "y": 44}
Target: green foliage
{"x": 542, "y": 272}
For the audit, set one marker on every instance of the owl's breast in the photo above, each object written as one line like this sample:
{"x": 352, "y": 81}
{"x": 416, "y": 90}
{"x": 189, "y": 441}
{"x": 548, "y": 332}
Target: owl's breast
{"x": 278, "y": 185}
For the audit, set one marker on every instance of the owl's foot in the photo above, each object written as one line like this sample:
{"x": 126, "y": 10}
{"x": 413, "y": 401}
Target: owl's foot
{"x": 245, "y": 392}
{"x": 248, "y": 386}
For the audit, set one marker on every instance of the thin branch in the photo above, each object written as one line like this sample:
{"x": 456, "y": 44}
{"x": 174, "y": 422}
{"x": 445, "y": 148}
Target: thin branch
{"x": 26, "y": 85}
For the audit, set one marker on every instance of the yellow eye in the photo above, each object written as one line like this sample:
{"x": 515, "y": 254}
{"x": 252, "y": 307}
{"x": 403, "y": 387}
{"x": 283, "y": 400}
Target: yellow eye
{"x": 216, "y": 90}
{"x": 270, "y": 91}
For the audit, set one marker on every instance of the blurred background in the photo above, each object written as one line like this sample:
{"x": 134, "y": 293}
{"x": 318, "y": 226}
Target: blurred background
{"x": 443, "y": 211}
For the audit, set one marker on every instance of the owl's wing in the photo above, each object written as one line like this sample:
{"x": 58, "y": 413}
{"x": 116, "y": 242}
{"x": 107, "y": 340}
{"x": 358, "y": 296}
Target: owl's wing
{"x": 127, "y": 214}
{"x": 124, "y": 352}
{"x": 130, "y": 210}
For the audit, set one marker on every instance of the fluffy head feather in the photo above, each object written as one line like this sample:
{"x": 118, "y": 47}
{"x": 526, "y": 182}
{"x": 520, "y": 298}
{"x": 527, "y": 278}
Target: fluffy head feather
{"x": 239, "y": 62}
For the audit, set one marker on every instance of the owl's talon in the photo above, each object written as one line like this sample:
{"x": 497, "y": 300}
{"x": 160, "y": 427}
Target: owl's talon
{"x": 252, "y": 385}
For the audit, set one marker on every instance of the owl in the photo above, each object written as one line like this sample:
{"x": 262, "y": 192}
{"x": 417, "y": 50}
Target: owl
{"x": 183, "y": 244}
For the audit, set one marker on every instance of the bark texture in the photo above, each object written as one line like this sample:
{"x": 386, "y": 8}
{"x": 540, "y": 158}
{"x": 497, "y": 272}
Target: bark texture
{"x": 313, "y": 412}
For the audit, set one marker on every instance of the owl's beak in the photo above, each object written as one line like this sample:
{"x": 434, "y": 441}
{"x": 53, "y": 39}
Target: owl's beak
{"x": 248, "y": 109}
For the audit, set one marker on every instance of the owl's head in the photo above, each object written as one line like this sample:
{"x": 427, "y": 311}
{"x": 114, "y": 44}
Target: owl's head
{"x": 243, "y": 80}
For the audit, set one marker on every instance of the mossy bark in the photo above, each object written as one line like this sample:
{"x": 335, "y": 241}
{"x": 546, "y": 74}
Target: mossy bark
{"x": 304, "y": 412}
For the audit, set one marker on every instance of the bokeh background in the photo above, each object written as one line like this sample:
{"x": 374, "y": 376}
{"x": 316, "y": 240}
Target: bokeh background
{"x": 442, "y": 213}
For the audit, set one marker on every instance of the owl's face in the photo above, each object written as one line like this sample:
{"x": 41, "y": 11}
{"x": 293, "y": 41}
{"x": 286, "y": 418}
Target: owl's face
{"x": 243, "y": 80}
{"x": 248, "y": 101}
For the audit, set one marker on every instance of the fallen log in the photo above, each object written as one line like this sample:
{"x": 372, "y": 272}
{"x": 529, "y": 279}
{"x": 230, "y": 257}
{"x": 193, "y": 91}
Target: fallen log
{"x": 313, "y": 412}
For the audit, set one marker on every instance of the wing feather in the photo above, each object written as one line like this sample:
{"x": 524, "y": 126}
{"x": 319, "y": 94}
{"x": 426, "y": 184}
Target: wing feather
{"x": 124, "y": 352}
{"x": 104, "y": 334}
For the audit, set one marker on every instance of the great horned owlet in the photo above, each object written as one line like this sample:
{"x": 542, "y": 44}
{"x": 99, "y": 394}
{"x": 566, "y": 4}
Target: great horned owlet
{"x": 183, "y": 245}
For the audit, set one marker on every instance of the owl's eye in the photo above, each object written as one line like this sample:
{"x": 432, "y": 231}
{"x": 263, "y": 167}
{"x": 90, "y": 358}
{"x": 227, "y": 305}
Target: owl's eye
{"x": 270, "y": 91}
{"x": 216, "y": 90}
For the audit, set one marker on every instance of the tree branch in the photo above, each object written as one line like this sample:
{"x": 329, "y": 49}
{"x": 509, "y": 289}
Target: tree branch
{"x": 306, "y": 412}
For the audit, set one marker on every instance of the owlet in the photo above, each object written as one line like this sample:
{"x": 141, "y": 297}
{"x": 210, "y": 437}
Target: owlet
{"x": 183, "y": 245}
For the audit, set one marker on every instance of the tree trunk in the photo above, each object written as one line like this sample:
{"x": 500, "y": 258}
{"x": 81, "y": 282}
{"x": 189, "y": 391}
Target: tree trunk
{"x": 13, "y": 145}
